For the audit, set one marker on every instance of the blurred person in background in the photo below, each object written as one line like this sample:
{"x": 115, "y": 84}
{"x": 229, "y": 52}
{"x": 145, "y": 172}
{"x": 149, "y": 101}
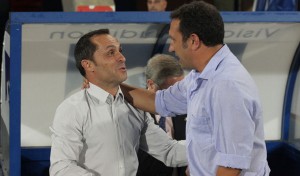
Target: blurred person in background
{"x": 162, "y": 71}
{"x": 4, "y": 9}
{"x": 157, "y": 5}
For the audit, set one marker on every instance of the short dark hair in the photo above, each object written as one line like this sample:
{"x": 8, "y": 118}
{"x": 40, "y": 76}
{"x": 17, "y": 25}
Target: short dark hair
{"x": 200, "y": 18}
{"x": 85, "y": 48}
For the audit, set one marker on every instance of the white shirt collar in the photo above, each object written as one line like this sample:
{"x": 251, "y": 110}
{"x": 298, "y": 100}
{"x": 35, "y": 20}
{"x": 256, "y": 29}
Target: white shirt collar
{"x": 101, "y": 94}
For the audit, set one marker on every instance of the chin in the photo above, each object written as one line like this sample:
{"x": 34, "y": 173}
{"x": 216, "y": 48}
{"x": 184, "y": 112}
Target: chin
{"x": 123, "y": 78}
{"x": 185, "y": 66}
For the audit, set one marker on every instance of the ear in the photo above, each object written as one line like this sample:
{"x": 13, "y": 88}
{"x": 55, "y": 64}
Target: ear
{"x": 195, "y": 41}
{"x": 151, "y": 85}
{"x": 87, "y": 65}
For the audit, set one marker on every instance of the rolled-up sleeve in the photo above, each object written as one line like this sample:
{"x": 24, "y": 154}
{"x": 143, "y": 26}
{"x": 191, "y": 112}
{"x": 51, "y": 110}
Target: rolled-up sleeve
{"x": 234, "y": 125}
{"x": 172, "y": 101}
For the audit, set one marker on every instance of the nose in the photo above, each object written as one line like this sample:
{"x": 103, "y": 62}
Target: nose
{"x": 171, "y": 48}
{"x": 121, "y": 57}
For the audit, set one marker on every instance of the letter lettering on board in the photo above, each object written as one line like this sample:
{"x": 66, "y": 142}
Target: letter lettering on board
{"x": 239, "y": 33}
{"x": 114, "y": 34}
{"x": 258, "y": 32}
{"x": 59, "y": 34}
{"x": 268, "y": 33}
{"x": 229, "y": 34}
{"x": 149, "y": 33}
{"x": 128, "y": 34}
{"x": 75, "y": 34}
{"x": 248, "y": 34}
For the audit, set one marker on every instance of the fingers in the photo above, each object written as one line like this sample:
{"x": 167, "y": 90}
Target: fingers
{"x": 187, "y": 171}
{"x": 85, "y": 84}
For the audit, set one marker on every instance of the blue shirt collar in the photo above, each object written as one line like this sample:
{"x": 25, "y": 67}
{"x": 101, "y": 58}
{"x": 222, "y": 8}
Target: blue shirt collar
{"x": 212, "y": 65}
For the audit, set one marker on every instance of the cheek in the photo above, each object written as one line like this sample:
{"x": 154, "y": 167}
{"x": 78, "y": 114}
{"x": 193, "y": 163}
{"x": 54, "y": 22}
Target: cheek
{"x": 178, "y": 45}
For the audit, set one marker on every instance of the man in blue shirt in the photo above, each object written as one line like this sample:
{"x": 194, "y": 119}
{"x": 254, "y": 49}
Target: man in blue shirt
{"x": 225, "y": 134}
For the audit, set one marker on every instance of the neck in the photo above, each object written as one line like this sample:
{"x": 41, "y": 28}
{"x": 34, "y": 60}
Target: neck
{"x": 205, "y": 56}
{"x": 110, "y": 88}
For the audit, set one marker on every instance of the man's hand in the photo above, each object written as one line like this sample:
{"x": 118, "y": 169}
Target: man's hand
{"x": 187, "y": 171}
{"x": 85, "y": 84}
{"x": 226, "y": 171}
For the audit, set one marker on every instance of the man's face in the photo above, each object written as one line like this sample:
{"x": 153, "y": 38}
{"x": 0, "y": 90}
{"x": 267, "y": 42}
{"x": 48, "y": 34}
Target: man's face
{"x": 180, "y": 48}
{"x": 109, "y": 62}
{"x": 156, "y": 5}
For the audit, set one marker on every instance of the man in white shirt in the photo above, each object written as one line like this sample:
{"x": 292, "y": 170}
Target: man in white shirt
{"x": 96, "y": 131}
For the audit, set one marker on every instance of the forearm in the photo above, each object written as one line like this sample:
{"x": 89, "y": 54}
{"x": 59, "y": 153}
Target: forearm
{"x": 226, "y": 171}
{"x": 172, "y": 157}
{"x": 180, "y": 157}
{"x": 140, "y": 98}
{"x": 68, "y": 168}
{"x": 63, "y": 165}
{"x": 158, "y": 144}
{"x": 64, "y": 156}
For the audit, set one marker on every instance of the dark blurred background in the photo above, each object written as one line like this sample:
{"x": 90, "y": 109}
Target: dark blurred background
{"x": 121, "y": 5}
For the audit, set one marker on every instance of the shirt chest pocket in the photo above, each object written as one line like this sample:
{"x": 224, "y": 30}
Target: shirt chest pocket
{"x": 200, "y": 129}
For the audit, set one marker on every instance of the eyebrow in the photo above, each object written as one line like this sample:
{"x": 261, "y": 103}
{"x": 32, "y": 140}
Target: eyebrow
{"x": 171, "y": 37}
{"x": 110, "y": 46}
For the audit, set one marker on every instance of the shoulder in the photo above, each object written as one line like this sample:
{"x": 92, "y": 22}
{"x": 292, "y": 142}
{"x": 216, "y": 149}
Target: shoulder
{"x": 73, "y": 105}
{"x": 138, "y": 113}
{"x": 75, "y": 100}
{"x": 133, "y": 109}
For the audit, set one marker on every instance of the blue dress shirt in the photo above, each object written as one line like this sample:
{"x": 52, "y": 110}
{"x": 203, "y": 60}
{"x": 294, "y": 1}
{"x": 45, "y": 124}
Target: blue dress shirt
{"x": 224, "y": 123}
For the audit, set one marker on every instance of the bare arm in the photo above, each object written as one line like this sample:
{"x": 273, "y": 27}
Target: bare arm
{"x": 226, "y": 171}
{"x": 139, "y": 98}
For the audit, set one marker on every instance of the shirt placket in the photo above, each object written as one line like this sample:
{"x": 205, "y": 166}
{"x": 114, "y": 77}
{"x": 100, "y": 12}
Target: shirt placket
{"x": 192, "y": 92}
{"x": 115, "y": 120}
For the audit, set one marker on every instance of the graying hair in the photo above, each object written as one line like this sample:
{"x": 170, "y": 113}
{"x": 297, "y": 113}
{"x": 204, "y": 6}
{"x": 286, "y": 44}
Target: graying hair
{"x": 162, "y": 66}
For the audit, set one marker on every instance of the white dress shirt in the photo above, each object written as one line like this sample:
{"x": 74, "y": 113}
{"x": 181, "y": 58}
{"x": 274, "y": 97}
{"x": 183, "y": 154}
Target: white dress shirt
{"x": 95, "y": 134}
